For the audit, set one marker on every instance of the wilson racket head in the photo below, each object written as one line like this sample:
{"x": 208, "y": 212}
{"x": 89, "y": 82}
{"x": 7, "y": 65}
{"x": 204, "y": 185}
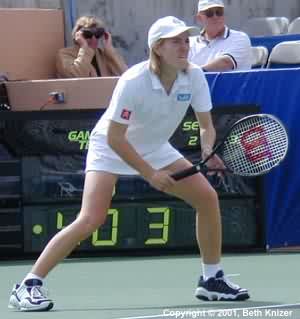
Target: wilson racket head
{"x": 254, "y": 145}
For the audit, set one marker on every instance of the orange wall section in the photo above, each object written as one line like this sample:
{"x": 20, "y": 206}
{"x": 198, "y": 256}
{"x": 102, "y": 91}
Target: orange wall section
{"x": 30, "y": 39}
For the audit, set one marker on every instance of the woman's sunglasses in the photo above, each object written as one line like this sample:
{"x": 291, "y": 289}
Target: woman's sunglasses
{"x": 88, "y": 33}
{"x": 219, "y": 12}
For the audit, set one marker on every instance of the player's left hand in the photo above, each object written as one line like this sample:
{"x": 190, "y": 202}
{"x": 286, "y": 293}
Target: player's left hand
{"x": 215, "y": 163}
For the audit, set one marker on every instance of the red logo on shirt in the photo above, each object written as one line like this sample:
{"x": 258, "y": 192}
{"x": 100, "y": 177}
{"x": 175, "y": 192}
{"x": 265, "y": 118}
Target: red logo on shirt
{"x": 125, "y": 114}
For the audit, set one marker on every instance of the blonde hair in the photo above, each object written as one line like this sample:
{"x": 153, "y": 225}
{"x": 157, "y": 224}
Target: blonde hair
{"x": 87, "y": 22}
{"x": 154, "y": 58}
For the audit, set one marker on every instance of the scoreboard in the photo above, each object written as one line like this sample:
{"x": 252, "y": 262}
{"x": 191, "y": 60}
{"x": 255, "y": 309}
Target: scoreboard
{"x": 50, "y": 149}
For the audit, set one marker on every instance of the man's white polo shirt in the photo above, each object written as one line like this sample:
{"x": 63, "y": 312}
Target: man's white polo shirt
{"x": 140, "y": 101}
{"x": 234, "y": 44}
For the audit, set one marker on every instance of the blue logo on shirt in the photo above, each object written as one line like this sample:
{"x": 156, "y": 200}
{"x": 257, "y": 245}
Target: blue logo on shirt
{"x": 183, "y": 97}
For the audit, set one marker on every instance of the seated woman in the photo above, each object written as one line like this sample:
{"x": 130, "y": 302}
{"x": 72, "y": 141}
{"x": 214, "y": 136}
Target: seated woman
{"x": 93, "y": 53}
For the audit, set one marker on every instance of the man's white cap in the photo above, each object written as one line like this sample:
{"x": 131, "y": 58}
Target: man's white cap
{"x": 207, "y": 4}
{"x": 168, "y": 27}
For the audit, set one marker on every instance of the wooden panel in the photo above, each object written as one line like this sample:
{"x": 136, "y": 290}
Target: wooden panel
{"x": 32, "y": 38}
{"x": 48, "y": 4}
{"x": 80, "y": 93}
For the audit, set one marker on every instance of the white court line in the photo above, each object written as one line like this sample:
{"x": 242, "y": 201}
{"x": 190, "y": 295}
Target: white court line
{"x": 144, "y": 317}
{"x": 233, "y": 275}
{"x": 217, "y": 310}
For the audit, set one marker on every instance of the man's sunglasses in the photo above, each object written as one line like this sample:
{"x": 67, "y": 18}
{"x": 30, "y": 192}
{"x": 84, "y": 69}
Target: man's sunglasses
{"x": 219, "y": 12}
{"x": 88, "y": 33}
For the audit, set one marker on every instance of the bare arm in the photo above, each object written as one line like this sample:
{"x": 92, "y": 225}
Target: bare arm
{"x": 208, "y": 138}
{"x": 223, "y": 63}
{"x": 207, "y": 131}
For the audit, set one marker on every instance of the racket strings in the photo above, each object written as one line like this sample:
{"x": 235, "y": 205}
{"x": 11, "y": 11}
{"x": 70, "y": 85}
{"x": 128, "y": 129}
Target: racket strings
{"x": 255, "y": 145}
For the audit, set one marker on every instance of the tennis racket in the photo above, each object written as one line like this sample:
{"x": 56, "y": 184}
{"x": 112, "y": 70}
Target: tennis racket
{"x": 252, "y": 146}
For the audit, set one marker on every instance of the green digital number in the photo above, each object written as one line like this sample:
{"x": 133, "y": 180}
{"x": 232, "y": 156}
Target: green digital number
{"x": 193, "y": 141}
{"x": 114, "y": 231}
{"x": 164, "y": 226}
{"x": 59, "y": 220}
{"x": 95, "y": 236}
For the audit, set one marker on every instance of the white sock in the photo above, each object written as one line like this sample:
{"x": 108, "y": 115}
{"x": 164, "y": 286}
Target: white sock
{"x": 31, "y": 276}
{"x": 210, "y": 270}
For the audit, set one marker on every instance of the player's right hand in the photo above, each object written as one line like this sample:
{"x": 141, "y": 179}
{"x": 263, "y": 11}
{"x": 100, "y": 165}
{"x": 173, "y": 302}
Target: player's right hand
{"x": 161, "y": 180}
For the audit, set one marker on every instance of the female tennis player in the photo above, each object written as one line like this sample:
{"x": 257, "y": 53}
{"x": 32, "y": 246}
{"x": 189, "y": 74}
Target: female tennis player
{"x": 148, "y": 103}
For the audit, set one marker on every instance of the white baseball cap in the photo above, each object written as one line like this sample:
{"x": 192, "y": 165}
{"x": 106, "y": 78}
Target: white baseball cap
{"x": 168, "y": 27}
{"x": 207, "y": 4}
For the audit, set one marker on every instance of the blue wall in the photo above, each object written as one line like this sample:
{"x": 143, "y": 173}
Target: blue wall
{"x": 277, "y": 92}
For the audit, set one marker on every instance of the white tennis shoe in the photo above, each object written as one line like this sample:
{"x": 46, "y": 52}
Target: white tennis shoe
{"x": 220, "y": 288}
{"x": 30, "y": 296}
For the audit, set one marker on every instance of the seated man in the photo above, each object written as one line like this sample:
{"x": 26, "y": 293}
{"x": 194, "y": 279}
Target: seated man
{"x": 218, "y": 48}
{"x": 93, "y": 53}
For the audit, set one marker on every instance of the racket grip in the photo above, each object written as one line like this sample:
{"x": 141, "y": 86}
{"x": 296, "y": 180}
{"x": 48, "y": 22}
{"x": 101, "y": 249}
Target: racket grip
{"x": 186, "y": 172}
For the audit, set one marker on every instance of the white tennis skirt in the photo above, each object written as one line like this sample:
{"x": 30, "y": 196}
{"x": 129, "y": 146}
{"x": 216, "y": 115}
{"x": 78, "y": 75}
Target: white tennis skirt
{"x": 101, "y": 157}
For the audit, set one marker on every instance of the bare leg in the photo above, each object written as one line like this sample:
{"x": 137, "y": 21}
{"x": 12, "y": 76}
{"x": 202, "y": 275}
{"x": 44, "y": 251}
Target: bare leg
{"x": 197, "y": 192}
{"x": 96, "y": 201}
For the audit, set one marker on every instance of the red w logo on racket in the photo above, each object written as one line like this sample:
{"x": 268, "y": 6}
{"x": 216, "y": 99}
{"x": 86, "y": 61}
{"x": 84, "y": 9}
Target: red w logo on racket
{"x": 255, "y": 144}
